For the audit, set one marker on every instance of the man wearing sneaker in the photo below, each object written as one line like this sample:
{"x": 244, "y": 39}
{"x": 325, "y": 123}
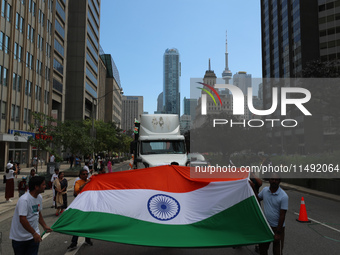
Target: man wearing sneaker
{"x": 78, "y": 187}
{"x": 27, "y": 216}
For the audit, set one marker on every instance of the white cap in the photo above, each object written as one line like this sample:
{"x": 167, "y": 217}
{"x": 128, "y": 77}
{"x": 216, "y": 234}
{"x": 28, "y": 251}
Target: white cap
{"x": 9, "y": 166}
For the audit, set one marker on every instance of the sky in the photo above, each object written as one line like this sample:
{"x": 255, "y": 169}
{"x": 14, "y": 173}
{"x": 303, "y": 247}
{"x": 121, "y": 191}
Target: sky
{"x": 137, "y": 32}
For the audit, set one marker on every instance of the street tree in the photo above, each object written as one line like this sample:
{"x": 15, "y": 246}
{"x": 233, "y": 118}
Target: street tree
{"x": 47, "y": 135}
{"x": 76, "y": 137}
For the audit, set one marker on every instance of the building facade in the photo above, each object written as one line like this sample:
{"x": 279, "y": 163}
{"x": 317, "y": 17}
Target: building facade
{"x": 160, "y": 103}
{"x": 110, "y": 103}
{"x": 290, "y": 36}
{"x": 82, "y": 82}
{"x": 51, "y": 63}
{"x": 294, "y": 34}
{"x": 329, "y": 20}
{"x": 171, "y": 81}
{"x": 132, "y": 110}
{"x": 33, "y": 64}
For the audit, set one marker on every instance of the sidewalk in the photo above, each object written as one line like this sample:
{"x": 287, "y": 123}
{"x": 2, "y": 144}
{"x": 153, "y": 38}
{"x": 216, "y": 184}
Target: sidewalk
{"x": 4, "y": 207}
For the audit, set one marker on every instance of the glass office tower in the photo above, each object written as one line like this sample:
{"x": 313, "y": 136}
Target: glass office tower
{"x": 171, "y": 74}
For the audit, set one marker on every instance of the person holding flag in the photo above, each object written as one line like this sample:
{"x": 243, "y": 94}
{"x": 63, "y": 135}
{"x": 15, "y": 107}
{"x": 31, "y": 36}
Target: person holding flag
{"x": 78, "y": 187}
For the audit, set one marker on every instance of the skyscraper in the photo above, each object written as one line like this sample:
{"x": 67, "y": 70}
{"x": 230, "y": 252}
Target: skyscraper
{"x": 290, "y": 40}
{"x": 290, "y": 36}
{"x": 82, "y": 80}
{"x": 132, "y": 109}
{"x": 171, "y": 74}
{"x": 33, "y": 45}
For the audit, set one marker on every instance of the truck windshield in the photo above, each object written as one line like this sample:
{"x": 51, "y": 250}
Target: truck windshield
{"x": 163, "y": 147}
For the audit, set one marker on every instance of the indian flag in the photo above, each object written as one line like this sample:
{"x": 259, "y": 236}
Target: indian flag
{"x": 163, "y": 206}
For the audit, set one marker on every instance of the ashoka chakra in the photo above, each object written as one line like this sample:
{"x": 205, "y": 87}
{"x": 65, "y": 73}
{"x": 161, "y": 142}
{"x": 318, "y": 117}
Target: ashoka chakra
{"x": 163, "y": 207}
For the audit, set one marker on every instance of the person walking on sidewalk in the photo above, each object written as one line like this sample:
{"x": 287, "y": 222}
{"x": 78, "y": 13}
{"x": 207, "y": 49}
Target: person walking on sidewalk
{"x": 27, "y": 216}
{"x": 11, "y": 170}
{"x": 78, "y": 187}
{"x": 60, "y": 186}
{"x": 275, "y": 206}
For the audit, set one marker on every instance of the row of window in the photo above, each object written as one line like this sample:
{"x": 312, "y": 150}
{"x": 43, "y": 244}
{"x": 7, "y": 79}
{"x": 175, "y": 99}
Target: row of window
{"x": 30, "y": 33}
{"x": 40, "y": 42}
{"x": 59, "y": 47}
{"x": 330, "y": 31}
{"x": 16, "y": 82}
{"x": 19, "y": 22}
{"x": 59, "y": 28}
{"x": 95, "y": 11}
{"x": 28, "y": 86}
{"x": 6, "y": 13}
{"x": 329, "y": 6}
{"x": 329, "y": 44}
{"x": 3, "y": 76}
{"x": 6, "y": 10}
{"x": 18, "y": 52}
{"x": 92, "y": 36}
{"x": 60, "y": 11}
{"x": 58, "y": 66}
{"x": 15, "y": 113}
{"x": 4, "y": 42}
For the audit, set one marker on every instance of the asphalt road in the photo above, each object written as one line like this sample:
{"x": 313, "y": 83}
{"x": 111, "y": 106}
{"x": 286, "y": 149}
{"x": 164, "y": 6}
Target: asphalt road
{"x": 321, "y": 237}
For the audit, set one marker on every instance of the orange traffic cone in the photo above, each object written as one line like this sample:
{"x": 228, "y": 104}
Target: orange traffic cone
{"x": 303, "y": 212}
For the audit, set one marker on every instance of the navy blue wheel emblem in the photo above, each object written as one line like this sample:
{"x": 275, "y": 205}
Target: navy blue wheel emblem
{"x": 163, "y": 207}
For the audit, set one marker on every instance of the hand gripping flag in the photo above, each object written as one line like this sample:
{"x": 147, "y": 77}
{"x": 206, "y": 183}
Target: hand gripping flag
{"x": 163, "y": 206}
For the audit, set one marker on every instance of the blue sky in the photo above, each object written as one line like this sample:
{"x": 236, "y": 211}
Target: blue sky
{"x": 137, "y": 32}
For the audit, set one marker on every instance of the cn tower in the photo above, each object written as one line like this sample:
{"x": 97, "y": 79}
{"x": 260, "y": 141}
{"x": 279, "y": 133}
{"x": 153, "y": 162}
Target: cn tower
{"x": 226, "y": 75}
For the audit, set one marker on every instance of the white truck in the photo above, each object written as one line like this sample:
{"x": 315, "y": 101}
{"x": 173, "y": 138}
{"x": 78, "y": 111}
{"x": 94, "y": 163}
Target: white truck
{"x": 159, "y": 142}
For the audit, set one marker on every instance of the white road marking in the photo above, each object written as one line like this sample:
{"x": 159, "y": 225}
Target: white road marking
{"x": 337, "y": 230}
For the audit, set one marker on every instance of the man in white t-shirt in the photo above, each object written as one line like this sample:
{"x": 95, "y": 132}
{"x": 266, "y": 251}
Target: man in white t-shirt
{"x": 52, "y": 158}
{"x": 24, "y": 231}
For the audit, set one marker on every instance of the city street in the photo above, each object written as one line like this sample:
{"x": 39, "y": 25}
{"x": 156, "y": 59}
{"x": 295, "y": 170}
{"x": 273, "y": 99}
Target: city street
{"x": 301, "y": 238}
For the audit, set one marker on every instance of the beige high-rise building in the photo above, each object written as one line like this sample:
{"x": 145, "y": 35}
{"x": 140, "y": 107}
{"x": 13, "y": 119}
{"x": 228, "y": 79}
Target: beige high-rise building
{"x": 33, "y": 36}
{"x": 132, "y": 110}
{"x": 51, "y": 62}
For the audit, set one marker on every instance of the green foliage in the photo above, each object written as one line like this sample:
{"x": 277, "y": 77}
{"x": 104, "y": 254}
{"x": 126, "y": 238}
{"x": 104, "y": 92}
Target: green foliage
{"x": 77, "y": 136}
